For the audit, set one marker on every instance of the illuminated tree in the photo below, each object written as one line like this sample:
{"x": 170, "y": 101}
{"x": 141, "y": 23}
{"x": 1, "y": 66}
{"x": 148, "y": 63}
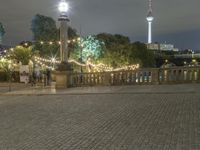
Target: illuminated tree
{"x": 21, "y": 54}
{"x": 91, "y": 48}
{"x": 4, "y": 64}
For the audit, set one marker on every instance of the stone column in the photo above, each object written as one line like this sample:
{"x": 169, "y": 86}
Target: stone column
{"x": 64, "y": 38}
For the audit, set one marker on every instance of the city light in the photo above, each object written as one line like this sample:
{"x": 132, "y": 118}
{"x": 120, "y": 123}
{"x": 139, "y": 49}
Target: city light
{"x": 194, "y": 60}
{"x": 53, "y": 60}
{"x": 74, "y": 40}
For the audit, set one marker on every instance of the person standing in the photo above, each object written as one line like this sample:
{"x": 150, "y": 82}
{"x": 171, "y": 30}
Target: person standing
{"x": 48, "y": 73}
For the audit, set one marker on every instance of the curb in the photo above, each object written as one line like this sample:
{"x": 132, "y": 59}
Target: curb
{"x": 105, "y": 93}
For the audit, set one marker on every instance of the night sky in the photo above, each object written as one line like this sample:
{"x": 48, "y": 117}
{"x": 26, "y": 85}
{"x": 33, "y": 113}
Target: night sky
{"x": 176, "y": 21}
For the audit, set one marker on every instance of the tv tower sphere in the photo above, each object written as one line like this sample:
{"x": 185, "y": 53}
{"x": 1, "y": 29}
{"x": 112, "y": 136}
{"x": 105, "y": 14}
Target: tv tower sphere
{"x": 150, "y": 18}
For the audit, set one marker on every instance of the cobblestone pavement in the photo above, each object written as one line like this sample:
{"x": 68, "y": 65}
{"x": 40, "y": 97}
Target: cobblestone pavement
{"x": 125, "y": 121}
{"x": 138, "y": 89}
{"x": 4, "y": 87}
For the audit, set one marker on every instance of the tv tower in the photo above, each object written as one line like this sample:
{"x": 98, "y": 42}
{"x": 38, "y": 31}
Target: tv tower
{"x": 150, "y": 20}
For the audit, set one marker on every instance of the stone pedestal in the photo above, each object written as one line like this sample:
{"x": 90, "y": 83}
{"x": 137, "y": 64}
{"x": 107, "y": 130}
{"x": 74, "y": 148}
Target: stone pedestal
{"x": 62, "y": 75}
{"x": 155, "y": 76}
{"x": 62, "y": 79}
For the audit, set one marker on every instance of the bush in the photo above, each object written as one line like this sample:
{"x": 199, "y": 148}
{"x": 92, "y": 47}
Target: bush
{"x": 4, "y": 76}
{"x": 15, "y": 76}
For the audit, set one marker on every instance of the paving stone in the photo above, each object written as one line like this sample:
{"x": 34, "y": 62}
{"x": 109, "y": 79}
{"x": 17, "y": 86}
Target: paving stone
{"x": 128, "y": 121}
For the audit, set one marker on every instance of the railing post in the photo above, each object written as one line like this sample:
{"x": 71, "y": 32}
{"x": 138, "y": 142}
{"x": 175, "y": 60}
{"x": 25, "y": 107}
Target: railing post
{"x": 198, "y": 75}
{"x": 107, "y": 76}
{"x": 155, "y": 76}
{"x": 182, "y": 75}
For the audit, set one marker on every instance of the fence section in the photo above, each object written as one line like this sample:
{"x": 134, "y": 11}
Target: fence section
{"x": 179, "y": 75}
{"x": 140, "y": 76}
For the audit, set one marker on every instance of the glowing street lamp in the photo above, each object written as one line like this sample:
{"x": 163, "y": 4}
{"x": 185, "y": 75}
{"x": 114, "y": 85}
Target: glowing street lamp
{"x": 53, "y": 61}
{"x": 63, "y": 7}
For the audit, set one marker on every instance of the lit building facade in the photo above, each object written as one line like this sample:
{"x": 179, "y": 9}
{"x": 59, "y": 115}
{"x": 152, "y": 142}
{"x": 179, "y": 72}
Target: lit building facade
{"x": 161, "y": 47}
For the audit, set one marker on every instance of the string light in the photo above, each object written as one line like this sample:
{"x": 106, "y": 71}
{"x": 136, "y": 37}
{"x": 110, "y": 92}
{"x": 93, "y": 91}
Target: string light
{"x": 95, "y": 67}
{"x": 78, "y": 39}
{"x": 78, "y": 63}
{"x": 53, "y": 60}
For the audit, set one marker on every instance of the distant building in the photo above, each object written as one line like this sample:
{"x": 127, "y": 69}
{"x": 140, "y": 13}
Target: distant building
{"x": 166, "y": 47}
{"x": 161, "y": 47}
{"x": 153, "y": 46}
{"x": 176, "y": 50}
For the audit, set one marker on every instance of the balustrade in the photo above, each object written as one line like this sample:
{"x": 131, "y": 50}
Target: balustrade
{"x": 139, "y": 76}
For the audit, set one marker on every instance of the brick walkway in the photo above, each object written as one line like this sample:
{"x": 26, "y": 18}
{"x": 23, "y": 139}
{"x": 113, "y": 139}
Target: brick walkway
{"x": 128, "y": 121}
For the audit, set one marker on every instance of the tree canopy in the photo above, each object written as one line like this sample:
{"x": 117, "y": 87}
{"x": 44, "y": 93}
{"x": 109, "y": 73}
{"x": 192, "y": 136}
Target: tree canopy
{"x": 2, "y": 32}
{"x": 113, "y": 50}
{"x": 119, "y": 51}
{"x": 21, "y": 54}
{"x": 44, "y": 29}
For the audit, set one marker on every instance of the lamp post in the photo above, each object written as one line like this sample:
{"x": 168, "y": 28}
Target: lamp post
{"x": 10, "y": 70}
{"x": 62, "y": 74}
{"x": 81, "y": 46}
{"x": 63, "y": 7}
